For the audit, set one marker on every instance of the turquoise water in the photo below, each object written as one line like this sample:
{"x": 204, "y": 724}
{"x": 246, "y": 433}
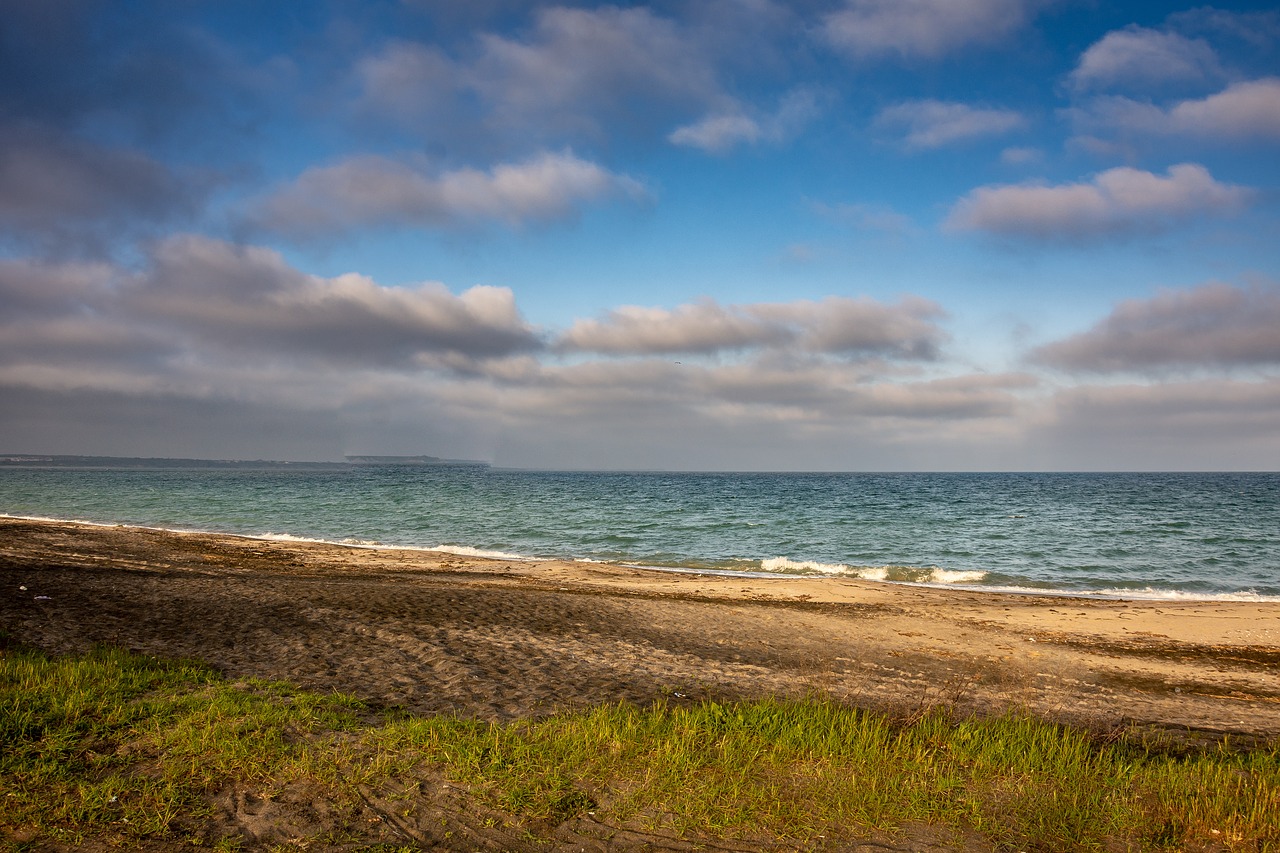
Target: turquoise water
{"x": 1160, "y": 535}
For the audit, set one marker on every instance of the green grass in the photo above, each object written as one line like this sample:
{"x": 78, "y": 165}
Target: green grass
{"x": 117, "y": 746}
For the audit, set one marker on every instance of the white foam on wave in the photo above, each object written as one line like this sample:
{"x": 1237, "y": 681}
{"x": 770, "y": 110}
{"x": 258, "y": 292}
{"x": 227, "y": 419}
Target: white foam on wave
{"x": 1147, "y": 594}
{"x": 1181, "y": 595}
{"x": 786, "y": 565}
{"x": 289, "y": 537}
{"x": 956, "y": 576}
{"x": 373, "y": 544}
{"x": 467, "y": 551}
{"x": 83, "y": 521}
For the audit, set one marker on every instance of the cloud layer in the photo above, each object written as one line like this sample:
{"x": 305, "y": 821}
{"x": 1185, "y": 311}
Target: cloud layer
{"x": 694, "y": 223}
{"x": 835, "y": 325}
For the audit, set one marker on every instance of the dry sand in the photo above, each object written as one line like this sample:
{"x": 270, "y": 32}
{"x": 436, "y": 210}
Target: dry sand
{"x": 434, "y": 632}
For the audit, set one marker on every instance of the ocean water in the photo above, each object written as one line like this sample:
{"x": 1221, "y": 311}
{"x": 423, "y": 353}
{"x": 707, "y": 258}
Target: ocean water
{"x": 1130, "y": 535}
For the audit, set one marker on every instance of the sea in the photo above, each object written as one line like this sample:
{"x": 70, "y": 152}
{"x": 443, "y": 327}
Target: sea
{"x": 1153, "y": 536}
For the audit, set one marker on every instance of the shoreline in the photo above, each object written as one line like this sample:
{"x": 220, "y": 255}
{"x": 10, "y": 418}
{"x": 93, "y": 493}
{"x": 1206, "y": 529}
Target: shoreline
{"x": 437, "y": 632}
{"x": 1114, "y": 594}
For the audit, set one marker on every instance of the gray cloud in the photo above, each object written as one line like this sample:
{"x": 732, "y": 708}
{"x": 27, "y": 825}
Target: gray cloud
{"x": 1246, "y": 110}
{"x": 408, "y": 81}
{"x": 374, "y": 191}
{"x": 33, "y": 290}
{"x": 931, "y": 124}
{"x": 1138, "y": 58}
{"x": 236, "y": 296}
{"x": 101, "y": 421}
{"x": 578, "y": 57}
{"x": 58, "y": 319}
{"x": 1205, "y": 425}
{"x": 803, "y": 393}
{"x": 921, "y": 28}
{"x": 565, "y": 76}
{"x": 205, "y": 314}
{"x": 1116, "y": 203}
{"x": 213, "y": 349}
{"x": 57, "y": 191}
{"x": 1214, "y": 325}
{"x": 833, "y": 325}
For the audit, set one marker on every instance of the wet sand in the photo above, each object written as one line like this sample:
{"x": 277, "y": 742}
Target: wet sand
{"x": 434, "y": 632}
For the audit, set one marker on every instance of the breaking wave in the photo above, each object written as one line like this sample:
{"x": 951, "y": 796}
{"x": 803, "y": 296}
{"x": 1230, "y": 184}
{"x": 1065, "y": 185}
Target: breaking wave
{"x": 899, "y": 574}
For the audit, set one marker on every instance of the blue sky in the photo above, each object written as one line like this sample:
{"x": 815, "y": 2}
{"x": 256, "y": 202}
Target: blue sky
{"x": 736, "y": 234}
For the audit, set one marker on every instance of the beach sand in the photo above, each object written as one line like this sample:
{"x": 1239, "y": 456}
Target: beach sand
{"x": 435, "y": 632}
{"x": 500, "y": 640}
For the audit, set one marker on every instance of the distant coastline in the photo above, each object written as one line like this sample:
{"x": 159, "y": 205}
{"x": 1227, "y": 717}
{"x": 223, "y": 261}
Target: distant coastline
{"x": 36, "y": 460}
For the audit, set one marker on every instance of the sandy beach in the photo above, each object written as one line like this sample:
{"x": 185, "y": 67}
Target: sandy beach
{"x": 434, "y": 632}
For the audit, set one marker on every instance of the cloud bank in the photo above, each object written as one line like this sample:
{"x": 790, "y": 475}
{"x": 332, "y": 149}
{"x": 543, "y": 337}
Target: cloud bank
{"x": 834, "y": 325}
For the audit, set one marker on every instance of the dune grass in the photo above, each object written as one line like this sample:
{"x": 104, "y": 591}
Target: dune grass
{"x": 118, "y": 746}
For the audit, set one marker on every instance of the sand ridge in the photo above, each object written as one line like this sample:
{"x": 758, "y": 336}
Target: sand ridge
{"x": 494, "y": 639}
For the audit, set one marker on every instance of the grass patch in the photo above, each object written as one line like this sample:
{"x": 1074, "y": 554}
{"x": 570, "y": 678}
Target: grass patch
{"x": 132, "y": 745}
{"x": 117, "y": 746}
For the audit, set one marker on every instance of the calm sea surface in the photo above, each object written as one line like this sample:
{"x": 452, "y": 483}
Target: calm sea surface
{"x": 1149, "y": 535}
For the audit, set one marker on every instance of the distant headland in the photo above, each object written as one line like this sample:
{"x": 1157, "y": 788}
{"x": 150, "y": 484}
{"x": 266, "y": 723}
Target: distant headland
{"x": 410, "y": 460}
{"x": 33, "y": 460}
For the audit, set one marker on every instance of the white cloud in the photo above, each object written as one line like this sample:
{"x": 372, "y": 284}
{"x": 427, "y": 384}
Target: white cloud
{"x": 1213, "y": 325}
{"x": 1248, "y": 109}
{"x": 719, "y": 132}
{"x": 921, "y": 28}
{"x": 375, "y": 191}
{"x": 933, "y": 124}
{"x": 833, "y": 325}
{"x": 1242, "y": 111}
{"x": 1116, "y": 203}
{"x": 1137, "y": 57}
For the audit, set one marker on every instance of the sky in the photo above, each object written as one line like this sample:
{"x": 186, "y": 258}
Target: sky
{"x": 856, "y": 235}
